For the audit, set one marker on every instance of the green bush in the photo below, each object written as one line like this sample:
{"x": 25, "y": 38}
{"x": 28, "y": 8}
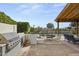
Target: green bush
{"x": 23, "y": 27}
{"x": 6, "y": 19}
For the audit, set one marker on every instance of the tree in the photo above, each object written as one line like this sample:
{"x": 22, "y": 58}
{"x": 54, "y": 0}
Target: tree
{"x": 50, "y": 25}
{"x": 39, "y": 29}
{"x": 74, "y": 27}
{"x": 23, "y": 27}
{"x": 68, "y": 28}
{"x": 32, "y": 29}
{"x": 73, "y": 24}
{"x": 35, "y": 30}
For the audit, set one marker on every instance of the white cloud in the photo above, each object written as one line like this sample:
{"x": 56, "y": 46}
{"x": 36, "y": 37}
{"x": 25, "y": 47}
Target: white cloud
{"x": 59, "y": 4}
{"x": 36, "y": 8}
{"x": 28, "y": 8}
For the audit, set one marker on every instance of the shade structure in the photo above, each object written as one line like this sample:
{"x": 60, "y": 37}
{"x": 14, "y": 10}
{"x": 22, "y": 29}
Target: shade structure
{"x": 70, "y": 13}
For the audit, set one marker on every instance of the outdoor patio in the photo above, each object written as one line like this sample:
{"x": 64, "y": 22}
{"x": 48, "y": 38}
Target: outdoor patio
{"x": 53, "y": 48}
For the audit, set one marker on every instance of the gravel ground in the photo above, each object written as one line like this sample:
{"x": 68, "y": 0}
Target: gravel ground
{"x": 52, "y": 48}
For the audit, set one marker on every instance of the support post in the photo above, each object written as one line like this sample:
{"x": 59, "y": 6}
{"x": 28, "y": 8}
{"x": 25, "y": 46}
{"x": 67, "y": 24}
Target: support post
{"x": 77, "y": 28}
{"x": 58, "y": 28}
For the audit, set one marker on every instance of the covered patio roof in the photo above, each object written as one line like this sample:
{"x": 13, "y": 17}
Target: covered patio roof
{"x": 70, "y": 13}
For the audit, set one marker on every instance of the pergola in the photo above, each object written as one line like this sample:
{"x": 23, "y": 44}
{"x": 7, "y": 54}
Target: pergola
{"x": 70, "y": 13}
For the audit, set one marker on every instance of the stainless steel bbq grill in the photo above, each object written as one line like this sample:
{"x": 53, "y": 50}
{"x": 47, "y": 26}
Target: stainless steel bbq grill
{"x": 10, "y": 39}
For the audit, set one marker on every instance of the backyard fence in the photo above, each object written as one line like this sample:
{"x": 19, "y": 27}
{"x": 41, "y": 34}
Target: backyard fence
{"x": 5, "y": 28}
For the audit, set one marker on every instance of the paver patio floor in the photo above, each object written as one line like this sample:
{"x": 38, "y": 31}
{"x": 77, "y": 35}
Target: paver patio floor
{"x": 52, "y": 48}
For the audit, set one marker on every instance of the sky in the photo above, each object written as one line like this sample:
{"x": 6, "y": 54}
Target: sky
{"x": 38, "y": 14}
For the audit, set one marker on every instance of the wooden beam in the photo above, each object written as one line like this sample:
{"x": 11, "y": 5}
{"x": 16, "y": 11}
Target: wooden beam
{"x": 68, "y": 13}
{"x": 77, "y": 28}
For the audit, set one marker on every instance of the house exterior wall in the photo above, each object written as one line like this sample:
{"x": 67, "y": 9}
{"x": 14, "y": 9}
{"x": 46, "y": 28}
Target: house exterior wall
{"x": 5, "y": 28}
